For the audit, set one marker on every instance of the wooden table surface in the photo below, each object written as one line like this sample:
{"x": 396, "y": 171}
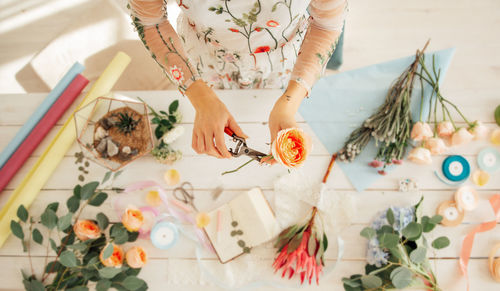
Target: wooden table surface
{"x": 251, "y": 108}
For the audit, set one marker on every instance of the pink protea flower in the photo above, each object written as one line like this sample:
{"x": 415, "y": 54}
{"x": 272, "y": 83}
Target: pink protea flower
{"x": 306, "y": 258}
{"x": 376, "y": 164}
{"x": 421, "y": 131}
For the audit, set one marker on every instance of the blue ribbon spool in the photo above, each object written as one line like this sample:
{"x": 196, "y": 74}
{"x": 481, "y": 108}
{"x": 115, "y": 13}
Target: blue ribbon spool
{"x": 456, "y": 168}
{"x": 164, "y": 235}
{"x": 489, "y": 159}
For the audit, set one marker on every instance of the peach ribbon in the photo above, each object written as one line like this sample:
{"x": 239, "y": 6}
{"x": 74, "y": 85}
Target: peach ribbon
{"x": 469, "y": 238}
{"x": 494, "y": 263}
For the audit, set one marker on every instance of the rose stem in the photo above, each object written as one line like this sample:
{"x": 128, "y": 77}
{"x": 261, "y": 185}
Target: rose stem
{"x": 330, "y": 165}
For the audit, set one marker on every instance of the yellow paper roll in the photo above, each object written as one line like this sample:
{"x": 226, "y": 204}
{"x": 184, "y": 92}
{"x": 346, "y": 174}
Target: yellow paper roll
{"x": 36, "y": 178}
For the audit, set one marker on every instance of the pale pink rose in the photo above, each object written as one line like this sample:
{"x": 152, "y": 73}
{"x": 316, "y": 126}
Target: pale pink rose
{"x": 445, "y": 129}
{"x": 421, "y": 131}
{"x": 461, "y": 136}
{"x": 420, "y": 155}
{"x": 136, "y": 257}
{"x": 479, "y": 130}
{"x": 436, "y": 146}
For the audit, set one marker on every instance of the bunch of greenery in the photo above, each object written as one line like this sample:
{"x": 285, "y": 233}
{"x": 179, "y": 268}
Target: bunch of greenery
{"x": 404, "y": 251}
{"x": 76, "y": 265}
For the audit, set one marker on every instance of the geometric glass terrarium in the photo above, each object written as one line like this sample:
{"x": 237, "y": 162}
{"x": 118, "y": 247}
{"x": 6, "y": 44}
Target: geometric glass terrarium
{"x": 114, "y": 131}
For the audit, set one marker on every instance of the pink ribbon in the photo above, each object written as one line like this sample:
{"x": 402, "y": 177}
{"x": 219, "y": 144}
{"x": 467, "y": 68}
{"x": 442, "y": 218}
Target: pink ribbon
{"x": 181, "y": 216}
{"x": 469, "y": 238}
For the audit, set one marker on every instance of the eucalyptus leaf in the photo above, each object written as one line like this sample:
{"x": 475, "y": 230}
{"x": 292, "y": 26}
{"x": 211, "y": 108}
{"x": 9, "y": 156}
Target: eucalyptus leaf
{"x": 371, "y": 281}
{"x": 103, "y": 285}
{"x": 78, "y": 288}
{"x": 436, "y": 219}
{"x": 117, "y": 174}
{"x": 108, "y": 251}
{"x": 88, "y": 190}
{"x": 418, "y": 255}
{"x": 441, "y": 242}
{"x": 73, "y": 203}
{"x": 368, "y": 233}
{"x": 106, "y": 178}
{"x": 401, "y": 277}
{"x": 412, "y": 231}
{"x": 16, "y": 229}
{"x": 133, "y": 283}
{"x": 109, "y": 272}
{"x": 98, "y": 199}
{"x": 388, "y": 240}
{"x": 37, "y": 236}
{"x": 53, "y": 206}
{"x": 53, "y": 267}
{"x": 53, "y": 245}
{"x": 49, "y": 218}
{"x": 22, "y": 213}
{"x": 65, "y": 221}
{"x": 77, "y": 191}
{"x": 390, "y": 216}
{"x": 102, "y": 220}
{"x": 67, "y": 259}
{"x": 36, "y": 285}
{"x": 119, "y": 233}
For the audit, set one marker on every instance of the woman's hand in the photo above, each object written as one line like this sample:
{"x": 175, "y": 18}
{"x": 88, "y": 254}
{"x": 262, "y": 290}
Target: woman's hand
{"x": 211, "y": 118}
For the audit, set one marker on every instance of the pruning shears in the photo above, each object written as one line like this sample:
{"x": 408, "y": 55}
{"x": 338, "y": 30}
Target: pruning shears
{"x": 241, "y": 147}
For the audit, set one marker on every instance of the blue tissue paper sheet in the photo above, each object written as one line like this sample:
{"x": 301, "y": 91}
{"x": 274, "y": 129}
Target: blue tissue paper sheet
{"x": 340, "y": 103}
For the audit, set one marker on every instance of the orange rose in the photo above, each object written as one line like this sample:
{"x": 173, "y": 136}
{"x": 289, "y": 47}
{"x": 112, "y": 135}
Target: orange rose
{"x": 115, "y": 260}
{"x": 86, "y": 229}
{"x": 136, "y": 257}
{"x": 290, "y": 148}
{"x": 132, "y": 219}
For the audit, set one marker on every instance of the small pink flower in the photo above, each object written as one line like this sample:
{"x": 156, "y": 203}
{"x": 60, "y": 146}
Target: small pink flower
{"x": 435, "y": 145}
{"x": 376, "y": 164}
{"x": 397, "y": 162}
{"x": 461, "y": 136}
{"x": 272, "y": 23}
{"x": 479, "y": 130}
{"x": 233, "y": 30}
{"x": 420, "y": 155}
{"x": 421, "y": 131}
{"x": 445, "y": 129}
{"x": 382, "y": 172}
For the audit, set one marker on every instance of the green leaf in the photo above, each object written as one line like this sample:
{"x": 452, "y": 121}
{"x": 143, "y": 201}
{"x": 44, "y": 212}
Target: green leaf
{"x": 354, "y": 283}
{"x": 133, "y": 283}
{"x": 102, "y": 220}
{"x": 35, "y": 285}
{"x": 53, "y": 206}
{"x": 371, "y": 281}
{"x": 78, "y": 288}
{"x": 67, "y": 259}
{"x": 77, "y": 191}
{"x": 79, "y": 246}
{"x": 159, "y": 132}
{"x": 49, "y": 218}
{"x": 103, "y": 285}
{"x": 311, "y": 246}
{"x": 325, "y": 242}
{"x": 16, "y": 229}
{"x": 412, "y": 231}
{"x": 388, "y": 240}
{"x": 117, "y": 174}
{"x": 37, "y": 236}
{"x": 119, "y": 233}
{"x": 390, "y": 216}
{"x": 108, "y": 251}
{"x": 73, "y": 203}
{"x": 88, "y": 190}
{"x": 436, "y": 219}
{"x": 53, "y": 245}
{"x": 418, "y": 255}
{"x": 65, "y": 221}
{"x": 368, "y": 233}
{"x": 22, "y": 213}
{"x": 109, "y": 272}
{"x": 294, "y": 243}
{"x": 440, "y": 242}
{"x": 401, "y": 277}
{"x": 98, "y": 199}
{"x": 53, "y": 267}
{"x": 106, "y": 177}
{"x": 132, "y": 236}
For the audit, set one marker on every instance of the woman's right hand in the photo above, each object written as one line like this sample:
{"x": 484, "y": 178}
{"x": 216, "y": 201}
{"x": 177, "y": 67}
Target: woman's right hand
{"x": 211, "y": 118}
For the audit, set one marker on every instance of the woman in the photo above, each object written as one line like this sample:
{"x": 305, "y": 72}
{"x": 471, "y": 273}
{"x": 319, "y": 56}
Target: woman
{"x": 240, "y": 44}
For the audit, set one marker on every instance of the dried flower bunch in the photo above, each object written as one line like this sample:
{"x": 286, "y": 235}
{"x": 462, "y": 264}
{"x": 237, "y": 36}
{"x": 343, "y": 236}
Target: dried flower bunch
{"x": 85, "y": 257}
{"x": 300, "y": 250}
{"x": 390, "y": 125}
{"x": 397, "y": 252}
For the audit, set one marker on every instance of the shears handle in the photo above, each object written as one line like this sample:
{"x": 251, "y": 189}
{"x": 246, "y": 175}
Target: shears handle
{"x": 229, "y": 132}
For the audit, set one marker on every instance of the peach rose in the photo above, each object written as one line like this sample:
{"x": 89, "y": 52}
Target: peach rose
{"x": 445, "y": 129}
{"x": 495, "y": 137}
{"x": 420, "y": 155}
{"x": 479, "y": 130}
{"x": 116, "y": 258}
{"x": 86, "y": 229}
{"x": 291, "y": 147}
{"x": 421, "y": 131}
{"x": 461, "y": 136}
{"x": 136, "y": 257}
{"x": 435, "y": 145}
{"x": 132, "y": 219}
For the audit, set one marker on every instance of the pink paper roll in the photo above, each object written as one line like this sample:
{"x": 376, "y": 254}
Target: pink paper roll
{"x": 41, "y": 130}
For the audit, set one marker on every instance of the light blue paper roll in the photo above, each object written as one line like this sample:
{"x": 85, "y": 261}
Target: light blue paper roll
{"x": 21, "y": 135}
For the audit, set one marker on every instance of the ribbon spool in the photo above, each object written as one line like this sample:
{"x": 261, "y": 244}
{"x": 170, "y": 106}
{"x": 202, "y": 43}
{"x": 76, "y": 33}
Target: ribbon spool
{"x": 164, "y": 235}
{"x": 466, "y": 198}
{"x": 489, "y": 159}
{"x": 451, "y": 213}
{"x": 456, "y": 168}
{"x": 494, "y": 263}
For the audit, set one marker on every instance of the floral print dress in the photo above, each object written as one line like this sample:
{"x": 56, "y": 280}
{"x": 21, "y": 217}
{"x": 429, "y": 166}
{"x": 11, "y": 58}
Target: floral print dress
{"x": 241, "y": 43}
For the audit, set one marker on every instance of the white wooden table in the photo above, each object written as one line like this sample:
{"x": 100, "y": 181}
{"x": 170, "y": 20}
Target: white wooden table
{"x": 251, "y": 109}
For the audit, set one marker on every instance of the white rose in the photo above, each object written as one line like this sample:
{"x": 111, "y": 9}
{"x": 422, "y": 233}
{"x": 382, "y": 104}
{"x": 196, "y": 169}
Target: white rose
{"x": 173, "y": 134}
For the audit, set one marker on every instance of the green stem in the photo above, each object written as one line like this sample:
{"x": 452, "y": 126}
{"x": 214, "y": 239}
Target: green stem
{"x": 237, "y": 169}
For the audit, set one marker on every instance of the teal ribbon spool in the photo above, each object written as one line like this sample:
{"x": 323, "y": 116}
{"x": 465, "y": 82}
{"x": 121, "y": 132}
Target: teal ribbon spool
{"x": 489, "y": 159}
{"x": 164, "y": 235}
{"x": 456, "y": 168}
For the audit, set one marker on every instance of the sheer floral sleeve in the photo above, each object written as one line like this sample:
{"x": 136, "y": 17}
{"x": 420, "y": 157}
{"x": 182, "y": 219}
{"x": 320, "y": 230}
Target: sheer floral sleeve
{"x": 160, "y": 38}
{"x": 325, "y": 27}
